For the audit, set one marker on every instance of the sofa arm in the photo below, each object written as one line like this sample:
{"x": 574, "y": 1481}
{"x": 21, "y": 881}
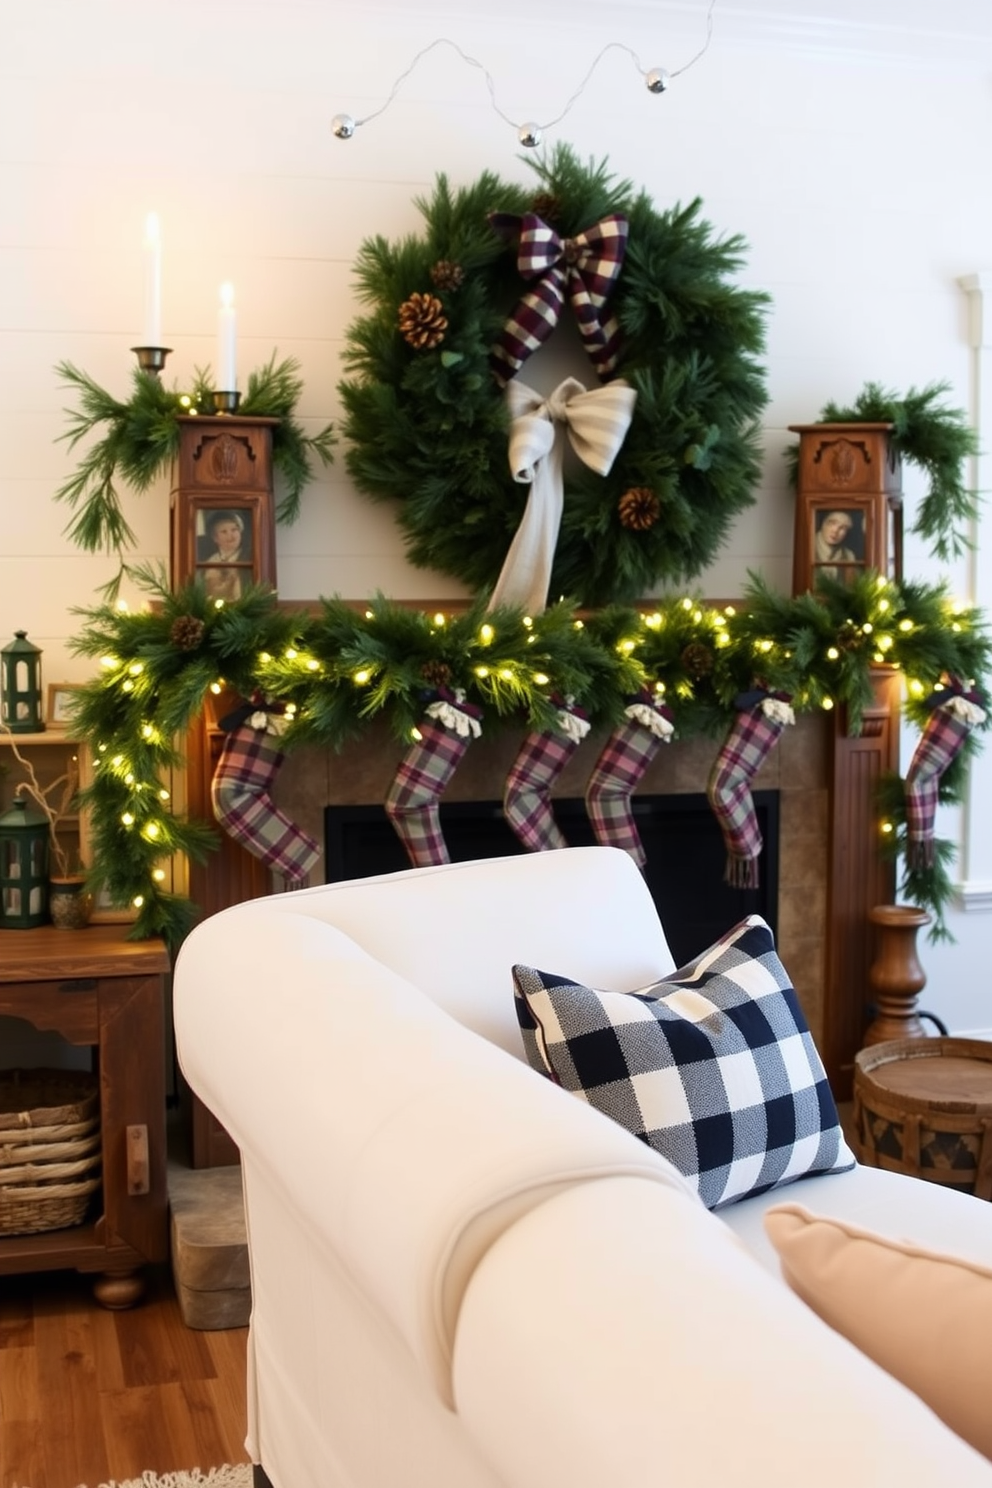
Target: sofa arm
{"x": 618, "y": 1335}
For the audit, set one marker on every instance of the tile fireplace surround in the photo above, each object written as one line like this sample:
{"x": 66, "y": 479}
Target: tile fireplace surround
{"x": 798, "y": 769}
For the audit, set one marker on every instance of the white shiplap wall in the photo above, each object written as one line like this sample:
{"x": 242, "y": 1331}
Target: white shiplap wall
{"x": 848, "y": 143}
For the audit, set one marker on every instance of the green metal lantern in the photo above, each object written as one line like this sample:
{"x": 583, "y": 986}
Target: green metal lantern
{"x": 20, "y": 686}
{"x": 24, "y": 841}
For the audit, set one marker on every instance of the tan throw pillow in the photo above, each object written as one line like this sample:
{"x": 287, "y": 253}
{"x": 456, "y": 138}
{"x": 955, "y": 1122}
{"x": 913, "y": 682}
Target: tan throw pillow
{"x": 925, "y": 1318}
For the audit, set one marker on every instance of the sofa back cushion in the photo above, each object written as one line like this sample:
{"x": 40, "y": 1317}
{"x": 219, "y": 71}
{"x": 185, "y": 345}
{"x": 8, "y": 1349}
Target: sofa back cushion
{"x": 456, "y": 930}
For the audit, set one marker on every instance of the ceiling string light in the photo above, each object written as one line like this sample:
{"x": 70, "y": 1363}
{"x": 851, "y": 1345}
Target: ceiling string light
{"x": 530, "y": 134}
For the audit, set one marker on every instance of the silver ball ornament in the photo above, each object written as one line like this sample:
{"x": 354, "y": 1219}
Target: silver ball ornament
{"x": 530, "y": 136}
{"x": 657, "y": 80}
{"x": 342, "y": 126}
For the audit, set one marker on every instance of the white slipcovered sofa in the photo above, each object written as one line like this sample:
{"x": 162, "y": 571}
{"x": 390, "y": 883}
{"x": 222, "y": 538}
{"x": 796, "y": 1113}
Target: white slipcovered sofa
{"x": 465, "y": 1277}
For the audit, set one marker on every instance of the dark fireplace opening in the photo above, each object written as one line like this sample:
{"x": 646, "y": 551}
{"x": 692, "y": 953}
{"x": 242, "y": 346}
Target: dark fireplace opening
{"x": 684, "y": 846}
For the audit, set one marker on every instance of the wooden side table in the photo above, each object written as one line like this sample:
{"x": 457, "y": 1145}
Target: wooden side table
{"x": 923, "y": 1106}
{"x": 94, "y": 987}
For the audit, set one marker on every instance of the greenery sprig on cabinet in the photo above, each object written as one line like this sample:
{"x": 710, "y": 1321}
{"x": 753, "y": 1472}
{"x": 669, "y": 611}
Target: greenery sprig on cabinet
{"x": 928, "y": 434}
{"x": 337, "y": 671}
{"x": 141, "y": 438}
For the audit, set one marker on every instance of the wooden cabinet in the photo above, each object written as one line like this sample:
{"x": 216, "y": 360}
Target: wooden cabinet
{"x": 96, "y": 988}
{"x": 54, "y": 756}
{"x": 222, "y": 527}
{"x": 848, "y": 503}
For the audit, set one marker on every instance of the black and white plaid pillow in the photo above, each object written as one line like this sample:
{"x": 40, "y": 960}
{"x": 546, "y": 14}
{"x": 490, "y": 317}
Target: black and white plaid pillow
{"x": 713, "y": 1066}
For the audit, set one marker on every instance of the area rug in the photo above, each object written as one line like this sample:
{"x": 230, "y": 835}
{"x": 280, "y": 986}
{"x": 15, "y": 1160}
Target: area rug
{"x": 218, "y": 1477}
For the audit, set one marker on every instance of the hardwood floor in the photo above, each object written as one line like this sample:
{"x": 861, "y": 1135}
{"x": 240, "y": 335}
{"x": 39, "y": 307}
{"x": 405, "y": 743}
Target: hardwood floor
{"x": 88, "y": 1396}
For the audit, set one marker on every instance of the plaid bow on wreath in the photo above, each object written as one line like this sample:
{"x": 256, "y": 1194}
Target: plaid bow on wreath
{"x": 582, "y": 269}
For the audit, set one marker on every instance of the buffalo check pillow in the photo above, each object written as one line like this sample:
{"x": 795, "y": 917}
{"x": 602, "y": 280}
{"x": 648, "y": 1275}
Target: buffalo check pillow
{"x": 713, "y": 1066}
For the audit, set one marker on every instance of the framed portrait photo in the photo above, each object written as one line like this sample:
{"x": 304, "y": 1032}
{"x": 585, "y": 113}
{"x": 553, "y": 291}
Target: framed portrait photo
{"x": 225, "y": 550}
{"x": 58, "y": 712}
{"x": 838, "y": 541}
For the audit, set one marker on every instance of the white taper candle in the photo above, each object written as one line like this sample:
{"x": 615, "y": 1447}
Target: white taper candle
{"x": 153, "y": 281}
{"x": 226, "y": 339}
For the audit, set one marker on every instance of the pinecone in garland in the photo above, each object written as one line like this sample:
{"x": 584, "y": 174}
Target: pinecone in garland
{"x": 186, "y": 632}
{"x": 639, "y": 508}
{"x": 436, "y": 673}
{"x": 422, "y": 321}
{"x": 697, "y": 660}
{"x": 446, "y": 274}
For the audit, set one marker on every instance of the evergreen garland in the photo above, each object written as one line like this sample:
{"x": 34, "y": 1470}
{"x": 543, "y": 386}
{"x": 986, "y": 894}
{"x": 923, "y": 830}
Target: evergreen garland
{"x": 141, "y": 439}
{"x": 427, "y": 424}
{"x": 338, "y": 670}
{"x": 928, "y": 434}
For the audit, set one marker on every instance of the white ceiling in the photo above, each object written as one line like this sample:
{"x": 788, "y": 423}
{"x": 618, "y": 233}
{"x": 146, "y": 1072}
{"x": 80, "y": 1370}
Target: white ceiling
{"x": 956, "y": 31}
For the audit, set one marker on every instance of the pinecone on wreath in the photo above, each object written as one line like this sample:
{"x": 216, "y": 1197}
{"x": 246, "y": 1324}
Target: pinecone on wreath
{"x": 547, "y": 206}
{"x": 446, "y": 274}
{"x": 422, "y": 321}
{"x": 639, "y": 508}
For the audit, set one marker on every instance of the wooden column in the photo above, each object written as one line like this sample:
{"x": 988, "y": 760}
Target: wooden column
{"x": 858, "y": 878}
{"x": 224, "y": 470}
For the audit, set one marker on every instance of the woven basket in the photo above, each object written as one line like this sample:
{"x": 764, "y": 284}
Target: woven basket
{"x": 49, "y": 1149}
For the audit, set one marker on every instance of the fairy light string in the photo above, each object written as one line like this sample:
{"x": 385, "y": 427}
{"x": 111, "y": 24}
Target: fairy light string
{"x": 529, "y": 133}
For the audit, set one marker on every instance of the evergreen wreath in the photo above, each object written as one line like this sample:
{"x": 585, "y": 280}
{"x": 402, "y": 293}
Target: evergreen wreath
{"x": 142, "y": 435}
{"x": 427, "y": 423}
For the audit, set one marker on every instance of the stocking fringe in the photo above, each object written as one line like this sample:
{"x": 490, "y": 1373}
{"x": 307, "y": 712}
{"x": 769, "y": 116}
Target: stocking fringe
{"x": 921, "y": 853}
{"x": 741, "y": 873}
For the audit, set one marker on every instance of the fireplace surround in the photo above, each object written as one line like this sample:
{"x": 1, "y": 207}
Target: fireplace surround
{"x": 680, "y": 835}
{"x": 830, "y": 872}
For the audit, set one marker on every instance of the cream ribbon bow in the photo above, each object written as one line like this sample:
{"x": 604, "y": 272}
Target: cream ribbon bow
{"x": 596, "y": 422}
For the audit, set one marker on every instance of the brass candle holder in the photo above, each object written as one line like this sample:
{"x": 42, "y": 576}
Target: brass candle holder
{"x": 226, "y": 402}
{"x": 151, "y": 358}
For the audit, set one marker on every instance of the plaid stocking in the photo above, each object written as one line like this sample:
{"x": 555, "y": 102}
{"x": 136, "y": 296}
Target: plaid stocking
{"x": 948, "y": 726}
{"x": 240, "y": 793}
{"x": 423, "y": 774}
{"x": 527, "y": 794}
{"x": 619, "y": 770}
{"x": 753, "y": 734}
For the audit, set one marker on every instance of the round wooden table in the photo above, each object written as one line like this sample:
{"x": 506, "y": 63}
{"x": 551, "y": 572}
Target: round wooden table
{"x": 923, "y": 1106}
